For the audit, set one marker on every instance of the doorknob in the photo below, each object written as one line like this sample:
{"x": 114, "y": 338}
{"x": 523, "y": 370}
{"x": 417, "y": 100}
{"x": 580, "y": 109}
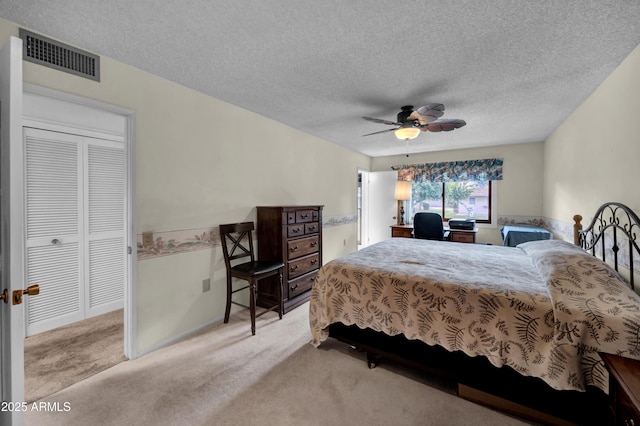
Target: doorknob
{"x": 32, "y": 290}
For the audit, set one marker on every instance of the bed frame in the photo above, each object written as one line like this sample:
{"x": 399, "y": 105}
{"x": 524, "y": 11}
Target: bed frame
{"x": 613, "y": 229}
{"x": 611, "y": 220}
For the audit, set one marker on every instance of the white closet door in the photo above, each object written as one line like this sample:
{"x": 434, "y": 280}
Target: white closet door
{"x": 53, "y": 228}
{"x": 105, "y": 229}
{"x": 75, "y": 210}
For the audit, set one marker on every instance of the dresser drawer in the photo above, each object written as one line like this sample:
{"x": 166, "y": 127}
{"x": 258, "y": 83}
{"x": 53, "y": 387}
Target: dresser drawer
{"x": 301, "y": 284}
{"x": 302, "y": 247}
{"x": 303, "y": 265}
{"x": 303, "y": 216}
{"x": 401, "y": 232}
{"x": 311, "y": 228}
{"x": 295, "y": 230}
{"x": 291, "y": 218}
{"x": 463, "y": 237}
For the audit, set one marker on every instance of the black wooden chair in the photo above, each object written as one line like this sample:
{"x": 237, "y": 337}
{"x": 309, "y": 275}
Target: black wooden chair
{"x": 428, "y": 226}
{"x": 239, "y": 237}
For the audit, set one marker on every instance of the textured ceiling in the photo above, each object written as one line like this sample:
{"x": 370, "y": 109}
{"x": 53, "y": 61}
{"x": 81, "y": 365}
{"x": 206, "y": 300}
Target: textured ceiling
{"x": 513, "y": 70}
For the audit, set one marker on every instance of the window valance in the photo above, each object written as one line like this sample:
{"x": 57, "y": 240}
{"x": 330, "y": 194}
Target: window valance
{"x": 452, "y": 171}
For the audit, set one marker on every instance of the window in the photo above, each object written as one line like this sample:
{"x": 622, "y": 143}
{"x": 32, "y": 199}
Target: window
{"x": 454, "y": 189}
{"x": 453, "y": 200}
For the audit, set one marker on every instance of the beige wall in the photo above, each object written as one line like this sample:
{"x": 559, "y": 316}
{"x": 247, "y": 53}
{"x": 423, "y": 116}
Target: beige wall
{"x": 593, "y": 157}
{"x": 518, "y": 194}
{"x": 201, "y": 162}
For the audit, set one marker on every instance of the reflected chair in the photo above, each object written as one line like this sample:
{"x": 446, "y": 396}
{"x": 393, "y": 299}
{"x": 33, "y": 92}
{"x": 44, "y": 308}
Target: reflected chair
{"x": 428, "y": 226}
{"x": 237, "y": 243}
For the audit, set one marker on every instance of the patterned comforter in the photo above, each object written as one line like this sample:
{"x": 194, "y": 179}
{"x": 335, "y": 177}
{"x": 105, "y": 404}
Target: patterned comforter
{"x": 544, "y": 308}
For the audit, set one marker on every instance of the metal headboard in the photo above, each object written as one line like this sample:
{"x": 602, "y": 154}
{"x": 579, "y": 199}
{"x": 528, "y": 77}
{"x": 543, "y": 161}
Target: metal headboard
{"x": 611, "y": 223}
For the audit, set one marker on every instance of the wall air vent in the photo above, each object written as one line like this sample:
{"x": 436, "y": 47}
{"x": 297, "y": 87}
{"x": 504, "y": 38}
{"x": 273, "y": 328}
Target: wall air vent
{"x": 53, "y": 54}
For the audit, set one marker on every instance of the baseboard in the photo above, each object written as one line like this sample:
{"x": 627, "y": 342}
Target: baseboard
{"x": 185, "y": 334}
{"x": 178, "y": 337}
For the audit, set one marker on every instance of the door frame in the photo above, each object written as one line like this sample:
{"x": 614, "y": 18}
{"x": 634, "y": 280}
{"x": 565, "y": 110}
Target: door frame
{"x": 379, "y": 207}
{"x": 363, "y": 209}
{"x": 130, "y": 303}
{"x": 12, "y": 316}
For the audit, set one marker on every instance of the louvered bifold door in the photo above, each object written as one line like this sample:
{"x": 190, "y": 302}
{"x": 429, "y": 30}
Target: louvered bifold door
{"x": 105, "y": 226}
{"x": 53, "y": 228}
{"x": 75, "y": 214}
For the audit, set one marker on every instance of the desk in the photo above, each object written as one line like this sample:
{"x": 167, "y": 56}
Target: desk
{"x": 456, "y": 235}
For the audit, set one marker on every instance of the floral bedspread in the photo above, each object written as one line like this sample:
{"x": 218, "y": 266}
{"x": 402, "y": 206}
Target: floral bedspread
{"x": 544, "y": 308}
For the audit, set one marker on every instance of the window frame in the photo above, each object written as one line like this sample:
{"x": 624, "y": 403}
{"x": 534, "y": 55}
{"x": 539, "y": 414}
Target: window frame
{"x": 445, "y": 219}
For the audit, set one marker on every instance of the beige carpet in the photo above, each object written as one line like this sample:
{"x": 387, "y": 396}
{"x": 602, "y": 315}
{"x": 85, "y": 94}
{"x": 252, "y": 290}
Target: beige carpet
{"x": 58, "y": 358}
{"x": 224, "y": 376}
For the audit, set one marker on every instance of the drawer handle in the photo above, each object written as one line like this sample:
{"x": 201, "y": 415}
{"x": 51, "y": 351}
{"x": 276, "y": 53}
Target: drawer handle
{"x": 314, "y": 244}
{"x": 304, "y": 215}
{"x": 314, "y": 261}
{"x": 293, "y": 249}
{"x": 294, "y": 230}
{"x": 295, "y": 287}
{"x": 312, "y": 228}
{"x": 294, "y": 268}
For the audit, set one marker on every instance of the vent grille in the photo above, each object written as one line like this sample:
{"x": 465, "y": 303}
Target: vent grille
{"x": 50, "y": 53}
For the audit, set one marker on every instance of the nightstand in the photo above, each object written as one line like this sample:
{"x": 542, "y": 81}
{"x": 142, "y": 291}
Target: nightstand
{"x": 624, "y": 390}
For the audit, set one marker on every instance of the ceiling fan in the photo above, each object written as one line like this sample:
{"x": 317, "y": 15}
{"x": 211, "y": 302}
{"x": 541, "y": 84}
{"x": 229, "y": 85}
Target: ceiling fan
{"x": 411, "y": 122}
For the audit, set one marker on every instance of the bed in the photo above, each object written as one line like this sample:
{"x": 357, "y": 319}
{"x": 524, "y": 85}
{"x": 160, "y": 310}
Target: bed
{"x": 545, "y": 309}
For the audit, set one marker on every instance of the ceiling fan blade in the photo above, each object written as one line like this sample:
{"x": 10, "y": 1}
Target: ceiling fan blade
{"x": 444, "y": 125}
{"x": 428, "y": 113}
{"x": 431, "y": 107}
{"x": 381, "y": 121}
{"x": 381, "y": 131}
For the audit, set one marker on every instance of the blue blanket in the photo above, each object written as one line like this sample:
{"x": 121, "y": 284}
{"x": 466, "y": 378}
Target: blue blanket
{"x": 514, "y": 235}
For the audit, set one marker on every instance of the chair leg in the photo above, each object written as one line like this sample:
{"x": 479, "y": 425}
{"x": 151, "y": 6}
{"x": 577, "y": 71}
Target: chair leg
{"x": 227, "y": 310}
{"x": 280, "y": 295}
{"x": 253, "y": 289}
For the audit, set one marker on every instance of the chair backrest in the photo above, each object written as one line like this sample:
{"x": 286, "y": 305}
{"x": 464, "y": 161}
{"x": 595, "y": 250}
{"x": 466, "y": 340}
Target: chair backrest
{"x": 238, "y": 236}
{"x": 428, "y": 226}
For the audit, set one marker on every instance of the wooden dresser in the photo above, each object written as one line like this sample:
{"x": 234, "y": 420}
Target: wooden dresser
{"x": 624, "y": 390}
{"x": 292, "y": 235}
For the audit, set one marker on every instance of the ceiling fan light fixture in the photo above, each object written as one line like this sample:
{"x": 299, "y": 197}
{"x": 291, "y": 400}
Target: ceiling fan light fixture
{"x": 406, "y": 133}
{"x": 411, "y": 122}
